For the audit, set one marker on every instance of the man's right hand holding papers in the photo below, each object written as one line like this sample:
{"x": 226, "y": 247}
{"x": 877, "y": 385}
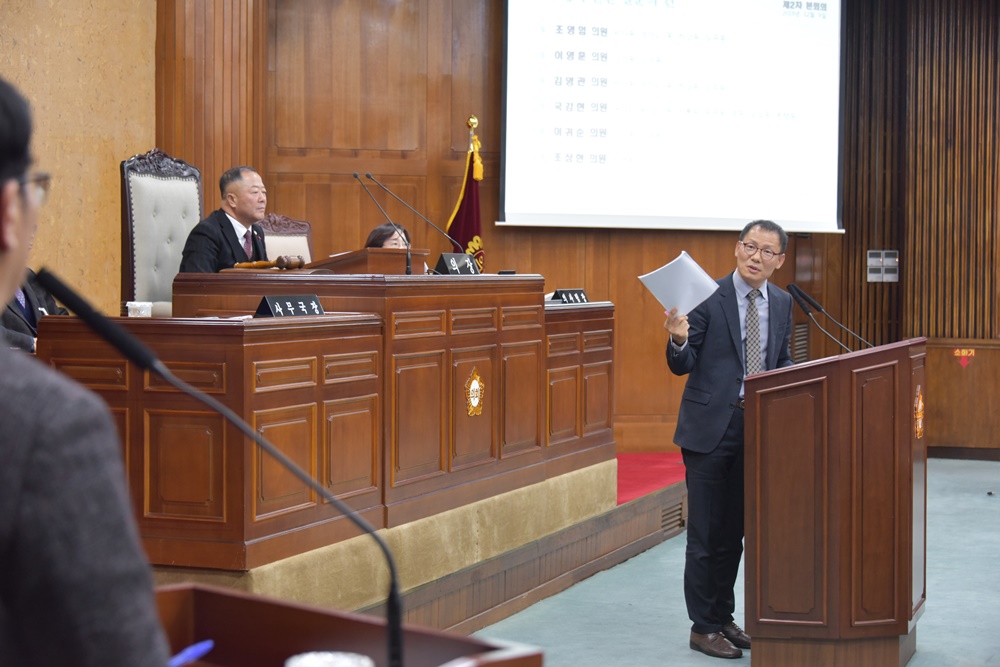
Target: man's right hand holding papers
{"x": 679, "y": 286}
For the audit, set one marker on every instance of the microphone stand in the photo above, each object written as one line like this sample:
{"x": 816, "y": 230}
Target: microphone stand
{"x": 795, "y": 288}
{"x": 805, "y": 309}
{"x": 402, "y": 236}
{"x": 458, "y": 245}
{"x": 143, "y": 357}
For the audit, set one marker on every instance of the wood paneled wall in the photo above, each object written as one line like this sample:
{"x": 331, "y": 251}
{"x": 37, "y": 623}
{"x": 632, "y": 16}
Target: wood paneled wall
{"x": 310, "y": 92}
{"x": 209, "y": 66}
{"x": 920, "y": 171}
{"x": 951, "y": 169}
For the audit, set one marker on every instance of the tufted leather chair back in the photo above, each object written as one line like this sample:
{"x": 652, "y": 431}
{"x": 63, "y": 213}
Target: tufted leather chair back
{"x": 161, "y": 203}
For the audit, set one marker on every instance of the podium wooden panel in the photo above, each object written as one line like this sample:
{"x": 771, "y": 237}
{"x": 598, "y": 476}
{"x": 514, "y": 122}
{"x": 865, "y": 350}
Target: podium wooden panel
{"x": 385, "y": 261}
{"x": 203, "y": 497}
{"x": 836, "y": 509}
{"x": 254, "y": 631}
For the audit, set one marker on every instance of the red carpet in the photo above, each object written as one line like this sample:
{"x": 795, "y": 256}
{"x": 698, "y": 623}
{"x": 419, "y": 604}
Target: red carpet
{"x": 642, "y": 473}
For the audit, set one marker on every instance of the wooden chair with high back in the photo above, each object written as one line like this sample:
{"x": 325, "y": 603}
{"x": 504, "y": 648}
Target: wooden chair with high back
{"x": 286, "y": 236}
{"x": 161, "y": 203}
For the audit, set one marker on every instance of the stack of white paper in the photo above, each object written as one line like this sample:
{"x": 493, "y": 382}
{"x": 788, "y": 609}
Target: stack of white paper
{"x": 680, "y": 284}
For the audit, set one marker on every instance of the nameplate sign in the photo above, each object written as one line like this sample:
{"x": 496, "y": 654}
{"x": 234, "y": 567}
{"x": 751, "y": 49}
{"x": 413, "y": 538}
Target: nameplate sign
{"x": 457, "y": 264}
{"x": 289, "y": 306}
{"x": 575, "y": 295}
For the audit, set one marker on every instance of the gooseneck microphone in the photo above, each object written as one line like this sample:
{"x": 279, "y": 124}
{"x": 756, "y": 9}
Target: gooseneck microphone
{"x": 443, "y": 233}
{"x": 805, "y": 309}
{"x": 142, "y": 356}
{"x": 812, "y": 302}
{"x": 402, "y": 236}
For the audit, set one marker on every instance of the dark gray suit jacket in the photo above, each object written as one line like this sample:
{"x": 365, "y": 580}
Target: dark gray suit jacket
{"x": 714, "y": 358}
{"x": 75, "y": 585}
{"x": 213, "y": 245}
{"x": 16, "y": 329}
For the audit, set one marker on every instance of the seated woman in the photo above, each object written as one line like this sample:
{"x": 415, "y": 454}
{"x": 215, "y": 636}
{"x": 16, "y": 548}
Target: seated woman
{"x": 387, "y": 236}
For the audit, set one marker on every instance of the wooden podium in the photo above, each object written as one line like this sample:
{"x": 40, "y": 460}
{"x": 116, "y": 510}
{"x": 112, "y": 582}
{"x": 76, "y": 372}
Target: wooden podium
{"x": 391, "y": 261}
{"x": 836, "y": 488}
{"x": 253, "y": 631}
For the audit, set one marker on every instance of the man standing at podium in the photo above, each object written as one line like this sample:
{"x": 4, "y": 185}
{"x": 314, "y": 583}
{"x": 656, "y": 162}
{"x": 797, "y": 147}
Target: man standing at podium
{"x": 229, "y": 234}
{"x": 75, "y": 586}
{"x": 743, "y": 328}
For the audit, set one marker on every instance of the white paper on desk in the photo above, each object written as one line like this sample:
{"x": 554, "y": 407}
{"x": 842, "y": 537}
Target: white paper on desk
{"x": 680, "y": 284}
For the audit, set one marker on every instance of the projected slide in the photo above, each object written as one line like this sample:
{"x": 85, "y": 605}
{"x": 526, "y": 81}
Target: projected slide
{"x": 678, "y": 114}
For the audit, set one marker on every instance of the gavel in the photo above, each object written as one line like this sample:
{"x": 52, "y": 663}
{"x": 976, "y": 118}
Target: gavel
{"x": 283, "y": 262}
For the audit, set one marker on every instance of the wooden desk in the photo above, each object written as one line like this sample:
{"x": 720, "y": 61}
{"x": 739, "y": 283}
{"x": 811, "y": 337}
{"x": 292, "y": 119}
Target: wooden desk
{"x": 373, "y": 260}
{"x": 374, "y": 404}
{"x": 202, "y": 496}
{"x": 440, "y": 333}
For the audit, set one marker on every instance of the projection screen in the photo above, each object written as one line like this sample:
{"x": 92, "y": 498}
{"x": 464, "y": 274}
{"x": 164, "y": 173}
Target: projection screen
{"x": 672, "y": 114}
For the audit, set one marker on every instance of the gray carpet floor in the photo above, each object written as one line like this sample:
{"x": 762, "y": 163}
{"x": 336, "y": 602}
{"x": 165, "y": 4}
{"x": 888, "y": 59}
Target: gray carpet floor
{"x": 633, "y": 615}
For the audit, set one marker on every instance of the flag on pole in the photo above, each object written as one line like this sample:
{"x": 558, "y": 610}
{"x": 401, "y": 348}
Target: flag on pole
{"x": 465, "y": 225}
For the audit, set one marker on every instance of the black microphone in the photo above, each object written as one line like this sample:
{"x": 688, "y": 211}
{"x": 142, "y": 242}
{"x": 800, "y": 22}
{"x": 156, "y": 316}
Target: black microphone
{"x": 812, "y": 302}
{"x": 415, "y": 212}
{"x": 143, "y": 357}
{"x": 402, "y": 236}
{"x": 805, "y": 309}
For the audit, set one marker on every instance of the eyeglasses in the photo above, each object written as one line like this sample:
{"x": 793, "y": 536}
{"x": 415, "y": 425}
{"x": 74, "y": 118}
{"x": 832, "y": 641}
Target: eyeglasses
{"x": 39, "y": 186}
{"x": 765, "y": 254}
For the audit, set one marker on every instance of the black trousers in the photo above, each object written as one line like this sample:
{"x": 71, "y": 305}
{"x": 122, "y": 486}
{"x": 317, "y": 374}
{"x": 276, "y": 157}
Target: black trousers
{"x": 715, "y": 529}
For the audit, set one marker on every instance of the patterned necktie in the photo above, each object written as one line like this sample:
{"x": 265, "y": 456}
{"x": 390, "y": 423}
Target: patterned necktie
{"x": 754, "y": 364}
{"x": 248, "y": 245}
{"x": 22, "y": 301}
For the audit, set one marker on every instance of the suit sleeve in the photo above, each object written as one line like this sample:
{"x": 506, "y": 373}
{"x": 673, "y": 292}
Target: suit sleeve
{"x": 201, "y": 250}
{"x": 46, "y": 300}
{"x": 681, "y": 360}
{"x": 785, "y": 352}
{"x": 17, "y": 339}
{"x": 83, "y": 593}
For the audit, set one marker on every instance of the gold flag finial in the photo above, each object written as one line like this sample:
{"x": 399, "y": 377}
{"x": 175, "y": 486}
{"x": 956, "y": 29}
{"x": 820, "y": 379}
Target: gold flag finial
{"x": 474, "y": 146}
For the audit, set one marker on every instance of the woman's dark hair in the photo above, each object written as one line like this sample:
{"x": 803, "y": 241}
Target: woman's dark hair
{"x": 383, "y": 233}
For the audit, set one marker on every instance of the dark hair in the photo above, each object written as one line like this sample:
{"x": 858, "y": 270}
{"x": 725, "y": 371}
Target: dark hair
{"x": 15, "y": 133}
{"x": 767, "y": 226}
{"x": 383, "y": 233}
{"x": 231, "y": 176}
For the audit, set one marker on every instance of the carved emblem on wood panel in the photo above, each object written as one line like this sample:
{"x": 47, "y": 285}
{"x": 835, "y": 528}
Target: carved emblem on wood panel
{"x": 918, "y": 414}
{"x": 475, "y": 391}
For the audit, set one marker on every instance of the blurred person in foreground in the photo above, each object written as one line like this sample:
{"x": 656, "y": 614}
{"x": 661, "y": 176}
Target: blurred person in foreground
{"x": 75, "y": 585}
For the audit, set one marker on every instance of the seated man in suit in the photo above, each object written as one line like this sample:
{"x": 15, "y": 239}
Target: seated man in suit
{"x": 229, "y": 235}
{"x": 20, "y": 318}
{"x": 75, "y": 585}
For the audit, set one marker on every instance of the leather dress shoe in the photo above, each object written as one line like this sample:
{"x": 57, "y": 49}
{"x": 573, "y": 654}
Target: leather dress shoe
{"x": 714, "y": 644}
{"x": 735, "y": 635}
